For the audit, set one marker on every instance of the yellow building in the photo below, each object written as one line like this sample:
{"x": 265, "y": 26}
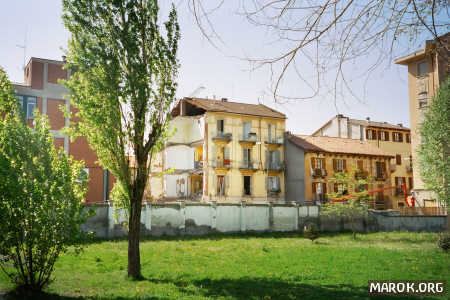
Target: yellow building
{"x": 312, "y": 161}
{"x": 222, "y": 151}
{"x": 426, "y": 69}
{"x": 393, "y": 139}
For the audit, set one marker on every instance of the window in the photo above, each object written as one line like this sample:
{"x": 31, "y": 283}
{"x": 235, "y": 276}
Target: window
{"x": 399, "y": 181}
{"x": 220, "y": 185}
{"x": 246, "y": 130}
{"x": 410, "y": 183}
{"x": 20, "y": 98}
{"x": 371, "y": 134}
{"x": 247, "y": 185}
{"x": 247, "y": 158}
{"x": 319, "y": 190}
{"x": 384, "y": 135}
{"x": 398, "y": 159}
{"x": 269, "y": 133}
{"x": 180, "y": 187}
{"x": 220, "y": 127}
{"x": 273, "y": 183}
{"x": 84, "y": 175}
{"x": 340, "y": 188}
{"x": 31, "y": 105}
{"x": 318, "y": 163}
{"x": 423, "y": 99}
{"x": 408, "y": 138}
{"x": 422, "y": 68}
{"x": 380, "y": 169}
{"x": 397, "y": 137}
{"x": 339, "y": 165}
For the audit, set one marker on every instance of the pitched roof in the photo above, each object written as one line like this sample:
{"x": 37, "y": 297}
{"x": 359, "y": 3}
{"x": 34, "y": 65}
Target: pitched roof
{"x": 379, "y": 124}
{"x": 235, "y": 107}
{"x": 367, "y": 123}
{"x": 335, "y": 145}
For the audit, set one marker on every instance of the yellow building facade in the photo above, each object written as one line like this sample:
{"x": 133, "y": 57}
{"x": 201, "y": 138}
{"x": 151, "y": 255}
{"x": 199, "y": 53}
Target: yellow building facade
{"x": 392, "y": 139}
{"x": 222, "y": 151}
{"x": 323, "y": 157}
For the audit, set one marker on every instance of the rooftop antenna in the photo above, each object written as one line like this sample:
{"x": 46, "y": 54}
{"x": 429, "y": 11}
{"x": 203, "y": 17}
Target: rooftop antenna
{"x": 24, "y": 47}
{"x": 196, "y": 91}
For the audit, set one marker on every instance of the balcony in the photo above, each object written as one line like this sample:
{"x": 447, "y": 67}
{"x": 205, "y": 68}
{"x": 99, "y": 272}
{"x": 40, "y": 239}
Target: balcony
{"x": 250, "y": 138}
{"x": 318, "y": 173}
{"x": 361, "y": 175}
{"x": 274, "y": 141}
{"x": 380, "y": 176}
{"x": 249, "y": 165}
{"x": 222, "y": 137}
{"x": 221, "y": 164}
{"x": 275, "y": 166}
{"x": 273, "y": 192}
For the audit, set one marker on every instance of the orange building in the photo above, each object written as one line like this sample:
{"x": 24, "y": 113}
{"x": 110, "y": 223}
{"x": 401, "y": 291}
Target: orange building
{"x": 41, "y": 90}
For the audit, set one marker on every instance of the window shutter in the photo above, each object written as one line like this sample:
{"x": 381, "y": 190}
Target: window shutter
{"x": 314, "y": 187}
{"x": 324, "y": 188}
{"x": 366, "y": 187}
{"x": 345, "y": 165}
{"x": 396, "y": 181}
{"x": 277, "y": 180}
{"x": 387, "y": 135}
{"x": 367, "y": 134}
{"x": 335, "y": 164}
{"x": 383, "y": 166}
{"x": 410, "y": 179}
{"x": 324, "y": 166}
{"x": 379, "y": 135}
{"x": 227, "y": 182}
{"x": 401, "y": 137}
{"x": 313, "y": 163}
{"x": 335, "y": 187}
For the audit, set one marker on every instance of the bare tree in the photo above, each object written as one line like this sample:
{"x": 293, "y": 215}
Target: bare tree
{"x": 332, "y": 35}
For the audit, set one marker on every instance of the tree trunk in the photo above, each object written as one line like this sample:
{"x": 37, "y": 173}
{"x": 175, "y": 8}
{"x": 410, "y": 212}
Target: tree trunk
{"x": 134, "y": 230}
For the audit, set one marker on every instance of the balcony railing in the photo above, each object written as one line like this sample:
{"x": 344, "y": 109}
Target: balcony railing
{"x": 274, "y": 166}
{"x": 317, "y": 172}
{"x": 274, "y": 140}
{"x": 251, "y": 137}
{"x": 225, "y": 163}
{"x": 361, "y": 175}
{"x": 274, "y": 192}
{"x": 250, "y": 165}
{"x": 223, "y": 136}
{"x": 380, "y": 176}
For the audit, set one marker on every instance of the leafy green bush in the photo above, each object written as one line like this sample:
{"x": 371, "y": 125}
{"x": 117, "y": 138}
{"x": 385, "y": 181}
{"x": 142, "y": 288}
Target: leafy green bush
{"x": 310, "y": 232}
{"x": 41, "y": 197}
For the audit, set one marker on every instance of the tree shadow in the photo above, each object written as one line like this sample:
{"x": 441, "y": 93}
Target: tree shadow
{"x": 241, "y": 289}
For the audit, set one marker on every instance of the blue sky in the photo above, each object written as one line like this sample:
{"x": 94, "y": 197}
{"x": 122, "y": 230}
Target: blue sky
{"x": 223, "y": 73}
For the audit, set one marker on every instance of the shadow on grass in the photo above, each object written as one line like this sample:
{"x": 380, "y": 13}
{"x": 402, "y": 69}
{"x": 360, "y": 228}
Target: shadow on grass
{"x": 241, "y": 289}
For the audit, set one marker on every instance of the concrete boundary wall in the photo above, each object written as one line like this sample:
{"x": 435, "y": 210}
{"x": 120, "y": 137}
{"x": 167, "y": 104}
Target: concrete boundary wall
{"x": 204, "y": 218}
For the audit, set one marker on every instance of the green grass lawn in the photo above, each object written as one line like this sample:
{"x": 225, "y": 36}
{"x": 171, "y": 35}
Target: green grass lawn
{"x": 268, "y": 266}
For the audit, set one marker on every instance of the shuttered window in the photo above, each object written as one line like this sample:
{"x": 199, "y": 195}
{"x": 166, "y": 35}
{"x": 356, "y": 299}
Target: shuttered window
{"x": 398, "y": 159}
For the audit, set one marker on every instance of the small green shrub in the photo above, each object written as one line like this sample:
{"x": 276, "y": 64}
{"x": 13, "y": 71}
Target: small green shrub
{"x": 310, "y": 232}
{"x": 444, "y": 241}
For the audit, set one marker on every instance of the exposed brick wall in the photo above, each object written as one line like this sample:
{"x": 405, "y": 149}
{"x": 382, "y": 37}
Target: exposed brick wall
{"x": 55, "y": 72}
{"x": 80, "y": 150}
{"x": 58, "y": 142}
{"x": 95, "y": 185}
{"x": 54, "y": 113}
{"x": 37, "y": 75}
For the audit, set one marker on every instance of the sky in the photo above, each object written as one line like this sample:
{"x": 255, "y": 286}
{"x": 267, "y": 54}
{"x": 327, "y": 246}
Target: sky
{"x": 223, "y": 72}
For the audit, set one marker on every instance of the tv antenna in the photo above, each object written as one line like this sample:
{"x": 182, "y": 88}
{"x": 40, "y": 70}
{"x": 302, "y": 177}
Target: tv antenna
{"x": 24, "y": 47}
{"x": 196, "y": 91}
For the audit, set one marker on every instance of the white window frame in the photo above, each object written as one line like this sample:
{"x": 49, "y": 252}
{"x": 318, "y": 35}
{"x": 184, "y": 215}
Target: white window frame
{"x": 340, "y": 164}
{"x": 33, "y": 102}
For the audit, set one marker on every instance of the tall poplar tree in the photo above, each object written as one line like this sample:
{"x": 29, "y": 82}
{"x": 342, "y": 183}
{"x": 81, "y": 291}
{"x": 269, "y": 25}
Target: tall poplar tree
{"x": 124, "y": 66}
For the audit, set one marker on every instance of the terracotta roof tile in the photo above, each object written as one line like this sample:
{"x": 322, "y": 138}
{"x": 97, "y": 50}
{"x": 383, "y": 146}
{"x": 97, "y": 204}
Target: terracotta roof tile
{"x": 335, "y": 145}
{"x": 236, "y": 107}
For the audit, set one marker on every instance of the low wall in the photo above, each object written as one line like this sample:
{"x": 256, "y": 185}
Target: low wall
{"x": 204, "y": 218}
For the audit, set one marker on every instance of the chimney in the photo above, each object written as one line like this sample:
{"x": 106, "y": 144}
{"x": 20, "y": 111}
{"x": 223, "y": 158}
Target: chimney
{"x": 368, "y": 119}
{"x": 224, "y": 99}
{"x": 182, "y": 107}
{"x": 400, "y": 124}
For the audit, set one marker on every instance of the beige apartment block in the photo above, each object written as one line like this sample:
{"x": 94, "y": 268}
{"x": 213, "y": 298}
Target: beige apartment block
{"x": 426, "y": 69}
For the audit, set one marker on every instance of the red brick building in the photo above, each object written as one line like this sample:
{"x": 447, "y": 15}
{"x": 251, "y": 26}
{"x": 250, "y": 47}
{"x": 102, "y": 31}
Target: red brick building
{"x": 41, "y": 89}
